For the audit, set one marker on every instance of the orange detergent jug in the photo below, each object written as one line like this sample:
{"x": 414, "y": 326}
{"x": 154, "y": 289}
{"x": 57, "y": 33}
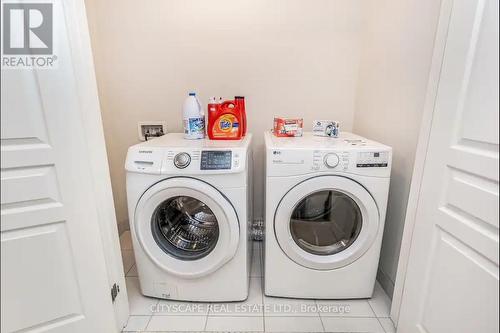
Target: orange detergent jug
{"x": 227, "y": 120}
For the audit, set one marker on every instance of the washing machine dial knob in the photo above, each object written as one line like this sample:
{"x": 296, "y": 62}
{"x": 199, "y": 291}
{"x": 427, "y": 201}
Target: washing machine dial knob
{"x": 331, "y": 160}
{"x": 182, "y": 160}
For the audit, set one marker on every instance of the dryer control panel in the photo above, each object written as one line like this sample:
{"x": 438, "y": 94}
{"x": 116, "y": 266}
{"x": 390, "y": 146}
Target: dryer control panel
{"x": 369, "y": 162}
{"x": 375, "y": 159}
{"x": 350, "y": 154}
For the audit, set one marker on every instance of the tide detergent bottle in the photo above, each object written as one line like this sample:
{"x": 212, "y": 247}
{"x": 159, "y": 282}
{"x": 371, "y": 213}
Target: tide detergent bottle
{"x": 227, "y": 120}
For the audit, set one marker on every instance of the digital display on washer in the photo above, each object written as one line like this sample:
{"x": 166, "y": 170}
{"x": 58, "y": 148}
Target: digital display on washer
{"x": 216, "y": 159}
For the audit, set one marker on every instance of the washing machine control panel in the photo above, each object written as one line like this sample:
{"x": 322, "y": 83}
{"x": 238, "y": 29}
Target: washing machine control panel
{"x": 172, "y": 155}
{"x": 203, "y": 161}
{"x": 216, "y": 160}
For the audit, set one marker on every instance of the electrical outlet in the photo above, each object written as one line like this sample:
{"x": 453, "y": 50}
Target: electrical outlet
{"x": 151, "y": 129}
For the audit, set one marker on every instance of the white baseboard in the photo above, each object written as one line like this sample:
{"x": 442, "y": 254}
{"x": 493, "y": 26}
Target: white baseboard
{"x": 386, "y": 283}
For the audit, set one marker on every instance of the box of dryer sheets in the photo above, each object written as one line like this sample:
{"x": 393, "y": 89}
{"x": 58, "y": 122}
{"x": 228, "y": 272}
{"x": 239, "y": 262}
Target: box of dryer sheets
{"x": 326, "y": 128}
{"x": 288, "y": 127}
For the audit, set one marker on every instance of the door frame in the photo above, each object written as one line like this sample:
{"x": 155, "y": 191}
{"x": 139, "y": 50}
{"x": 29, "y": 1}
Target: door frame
{"x": 86, "y": 85}
{"x": 421, "y": 155}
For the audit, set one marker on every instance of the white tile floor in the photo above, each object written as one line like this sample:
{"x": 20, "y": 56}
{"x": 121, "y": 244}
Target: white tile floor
{"x": 258, "y": 313}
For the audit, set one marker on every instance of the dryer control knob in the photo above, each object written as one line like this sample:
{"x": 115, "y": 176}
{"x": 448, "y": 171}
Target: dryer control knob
{"x": 331, "y": 160}
{"x": 182, "y": 160}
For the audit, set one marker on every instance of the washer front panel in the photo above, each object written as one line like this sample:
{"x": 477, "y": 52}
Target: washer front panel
{"x": 326, "y": 222}
{"x": 182, "y": 254}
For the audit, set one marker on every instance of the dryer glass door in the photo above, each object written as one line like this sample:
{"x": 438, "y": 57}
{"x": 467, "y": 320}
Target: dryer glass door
{"x": 326, "y": 222}
{"x": 185, "y": 227}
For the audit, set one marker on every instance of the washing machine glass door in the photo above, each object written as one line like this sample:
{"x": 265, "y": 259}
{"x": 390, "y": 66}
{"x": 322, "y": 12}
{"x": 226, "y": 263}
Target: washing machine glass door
{"x": 186, "y": 226}
{"x": 326, "y": 222}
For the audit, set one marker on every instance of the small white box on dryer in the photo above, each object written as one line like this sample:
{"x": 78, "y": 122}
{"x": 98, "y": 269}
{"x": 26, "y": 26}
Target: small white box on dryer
{"x": 326, "y": 128}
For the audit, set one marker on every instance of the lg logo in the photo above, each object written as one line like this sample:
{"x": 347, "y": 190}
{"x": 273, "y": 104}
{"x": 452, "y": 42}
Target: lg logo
{"x": 27, "y": 29}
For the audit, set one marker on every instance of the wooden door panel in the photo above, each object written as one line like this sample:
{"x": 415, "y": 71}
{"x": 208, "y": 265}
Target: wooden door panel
{"x": 30, "y": 197}
{"x": 46, "y": 260}
{"x": 474, "y": 195}
{"x": 20, "y": 91}
{"x": 460, "y": 289}
{"x": 480, "y": 99}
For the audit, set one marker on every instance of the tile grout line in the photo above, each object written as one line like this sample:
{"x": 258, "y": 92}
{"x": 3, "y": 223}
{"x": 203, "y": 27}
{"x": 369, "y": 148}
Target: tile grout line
{"x": 319, "y": 315}
{"x": 261, "y": 278}
{"x": 353, "y": 317}
{"x": 383, "y": 329}
{"x": 151, "y": 316}
{"x": 206, "y": 321}
{"x": 130, "y": 270}
{"x": 123, "y": 328}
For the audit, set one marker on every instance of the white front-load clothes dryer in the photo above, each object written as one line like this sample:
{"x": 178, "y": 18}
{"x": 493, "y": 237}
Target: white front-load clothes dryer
{"x": 189, "y": 205}
{"x": 325, "y": 208}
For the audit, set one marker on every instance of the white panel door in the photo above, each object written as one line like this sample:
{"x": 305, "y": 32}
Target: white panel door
{"x": 53, "y": 271}
{"x": 452, "y": 276}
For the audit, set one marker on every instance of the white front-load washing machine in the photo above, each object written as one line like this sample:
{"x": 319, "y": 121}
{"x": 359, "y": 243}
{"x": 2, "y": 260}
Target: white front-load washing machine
{"x": 325, "y": 209}
{"x": 189, "y": 205}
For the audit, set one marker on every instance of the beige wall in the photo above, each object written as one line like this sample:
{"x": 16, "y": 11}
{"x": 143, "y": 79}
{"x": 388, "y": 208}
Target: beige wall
{"x": 398, "y": 39}
{"x": 288, "y": 57}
